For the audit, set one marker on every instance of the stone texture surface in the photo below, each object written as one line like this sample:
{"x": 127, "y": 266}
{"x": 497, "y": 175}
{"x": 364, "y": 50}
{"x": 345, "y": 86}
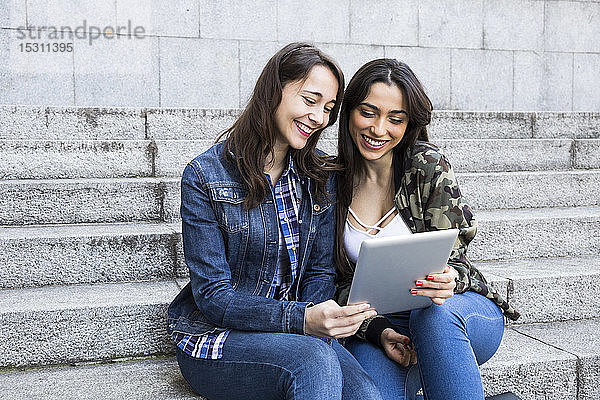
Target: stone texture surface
{"x": 72, "y": 254}
{"x": 586, "y": 87}
{"x": 579, "y": 338}
{"x": 533, "y": 71}
{"x": 130, "y": 379}
{"x": 374, "y": 22}
{"x": 55, "y": 123}
{"x": 189, "y": 124}
{"x": 313, "y": 21}
{"x": 34, "y": 77}
{"x": 71, "y": 12}
{"x": 482, "y": 80}
{"x": 82, "y": 323}
{"x": 503, "y": 155}
{"x": 173, "y": 155}
{"x": 172, "y": 199}
{"x": 510, "y": 190}
{"x": 174, "y": 18}
{"x": 530, "y": 233}
{"x": 480, "y": 125}
{"x": 13, "y": 14}
{"x": 230, "y": 19}
{"x": 551, "y": 289}
{"x": 451, "y": 23}
{"x": 253, "y": 58}
{"x": 582, "y": 125}
{"x": 70, "y": 201}
{"x": 432, "y": 68}
{"x": 351, "y": 57}
{"x": 587, "y": 154}
{"x": 199, "y": 73}
{"x": 505, "y": 17}
{"x": 29, "y": 159}
{"x": 102, "y": 81}
{"x": 530, "y": 369}
{"x": 160, "y": 378}
{"x": 572, "y": 26}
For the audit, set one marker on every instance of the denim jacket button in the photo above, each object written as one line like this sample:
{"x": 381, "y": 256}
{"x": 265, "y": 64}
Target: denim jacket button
{"x": 317, "y": 208}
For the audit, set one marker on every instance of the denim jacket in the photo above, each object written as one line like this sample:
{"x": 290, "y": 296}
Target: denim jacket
{"x": 232, "y": 252}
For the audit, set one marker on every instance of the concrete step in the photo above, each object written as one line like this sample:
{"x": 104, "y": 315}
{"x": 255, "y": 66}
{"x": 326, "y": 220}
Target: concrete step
{"x": 531, "y": 369}
{"x": 65, "y": 201}
{"x": 508, "y": 190}
{"x": 523, "y": 364}
{"x": 536, "y": 233}
{"x": 53, "y": 123}
{"x": 513, "y": 125}
{"x": 548, "y": 289}
{"x": 130, "y": 379}
{"x": 65, "y": 254}
{"x": 69, "y": 201}
{"x": 71, "y": 254}
{"x": 55, "y": 159}
{"x": 471, "y": 155}
{"x": 66, "y": 324}
{"x": 578, "y": 338}
{"x": 32, "y": 122}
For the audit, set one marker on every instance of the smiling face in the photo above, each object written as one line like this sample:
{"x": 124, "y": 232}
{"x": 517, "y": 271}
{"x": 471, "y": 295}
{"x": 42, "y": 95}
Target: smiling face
{"x": 305, "y": 107}
{"x": 378, "y": 123}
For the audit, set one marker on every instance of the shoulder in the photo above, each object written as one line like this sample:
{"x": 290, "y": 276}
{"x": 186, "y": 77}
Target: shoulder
{"x": 213, "y": 166}
{"x": 427, "y": 157}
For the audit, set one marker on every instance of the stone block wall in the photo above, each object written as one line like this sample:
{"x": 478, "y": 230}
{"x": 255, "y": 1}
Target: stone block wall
{"x": 513, "y": 55}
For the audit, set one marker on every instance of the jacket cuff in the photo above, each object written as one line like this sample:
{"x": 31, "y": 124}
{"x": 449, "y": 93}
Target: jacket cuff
{"x": 375, "y": 328}
{"x": 294, "y": 315}
{"x": 304, "y": 318}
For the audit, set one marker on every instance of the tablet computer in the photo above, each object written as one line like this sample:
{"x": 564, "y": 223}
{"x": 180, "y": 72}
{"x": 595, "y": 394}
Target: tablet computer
{"x": 388, "y": 267}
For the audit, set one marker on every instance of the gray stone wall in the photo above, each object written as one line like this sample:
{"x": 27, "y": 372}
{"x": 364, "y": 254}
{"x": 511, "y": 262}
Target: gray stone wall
{"x": 523, "y": 55}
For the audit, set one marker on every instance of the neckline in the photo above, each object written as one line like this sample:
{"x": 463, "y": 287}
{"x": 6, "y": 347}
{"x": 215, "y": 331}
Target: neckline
{"x": 371, "y": 227}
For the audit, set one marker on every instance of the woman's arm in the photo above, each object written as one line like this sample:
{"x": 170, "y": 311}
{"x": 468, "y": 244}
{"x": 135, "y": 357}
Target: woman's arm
{"x": 444, "y": 208}
{"x": 210, "y": 275}
{"x": 210, "y": 278}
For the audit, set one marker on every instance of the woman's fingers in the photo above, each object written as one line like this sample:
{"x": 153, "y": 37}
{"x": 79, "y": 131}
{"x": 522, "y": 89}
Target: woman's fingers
{"x": 438, "y": 287}
{"x": 328, "y": 319}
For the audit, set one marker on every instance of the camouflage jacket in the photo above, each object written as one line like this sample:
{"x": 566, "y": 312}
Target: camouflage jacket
{"x": 429, "y": 199}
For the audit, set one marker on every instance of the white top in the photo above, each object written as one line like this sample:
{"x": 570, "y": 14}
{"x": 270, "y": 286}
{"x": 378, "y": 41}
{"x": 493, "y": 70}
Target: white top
{"x": 354, "y": 236}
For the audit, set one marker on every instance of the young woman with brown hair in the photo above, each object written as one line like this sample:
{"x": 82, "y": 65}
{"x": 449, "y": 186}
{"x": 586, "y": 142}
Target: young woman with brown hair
{"x": 258, "y": 227}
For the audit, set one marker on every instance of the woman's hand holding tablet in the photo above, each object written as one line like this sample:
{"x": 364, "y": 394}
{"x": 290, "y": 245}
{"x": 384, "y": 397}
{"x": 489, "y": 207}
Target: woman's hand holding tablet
{"x": 438, "y": 287}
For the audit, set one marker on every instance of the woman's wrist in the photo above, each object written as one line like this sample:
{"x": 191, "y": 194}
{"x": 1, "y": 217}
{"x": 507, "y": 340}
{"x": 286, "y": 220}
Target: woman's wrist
{"x": 375, "y": 328}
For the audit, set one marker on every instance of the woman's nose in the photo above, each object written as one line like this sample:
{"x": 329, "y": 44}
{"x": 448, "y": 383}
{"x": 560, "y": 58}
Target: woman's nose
{"x": 317, "y": 117}
{"x": 377, "y": 128}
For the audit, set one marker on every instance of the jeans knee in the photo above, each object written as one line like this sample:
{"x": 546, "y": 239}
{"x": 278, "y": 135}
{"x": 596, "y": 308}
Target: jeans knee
{"x": 319, "y": 362}
{"x": 426, "y": 321}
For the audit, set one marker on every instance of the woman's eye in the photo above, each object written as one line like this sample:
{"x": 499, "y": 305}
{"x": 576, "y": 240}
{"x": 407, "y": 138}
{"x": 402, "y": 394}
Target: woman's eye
{"x": 309, "y": 100}
{"x": 328, "y": 109}
{"x": 396, "y": 121}
{"x": 366, "y": 113}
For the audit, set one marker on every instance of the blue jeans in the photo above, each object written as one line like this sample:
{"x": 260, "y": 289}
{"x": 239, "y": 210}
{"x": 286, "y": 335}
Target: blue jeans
{"x": 450, "y": 340}
{"x": 259, "y": 365}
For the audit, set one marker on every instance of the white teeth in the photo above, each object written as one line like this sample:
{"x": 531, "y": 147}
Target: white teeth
{"x": 374, "y": 142}
{"x": 303, "y": 128}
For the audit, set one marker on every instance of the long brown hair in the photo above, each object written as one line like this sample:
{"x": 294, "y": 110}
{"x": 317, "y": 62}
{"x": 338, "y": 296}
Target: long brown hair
{"x": 418, "y": 107}
{"x": 251, "y": 139}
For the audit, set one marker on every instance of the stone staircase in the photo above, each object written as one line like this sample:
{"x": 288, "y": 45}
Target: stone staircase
{"x": 91, "y": 256}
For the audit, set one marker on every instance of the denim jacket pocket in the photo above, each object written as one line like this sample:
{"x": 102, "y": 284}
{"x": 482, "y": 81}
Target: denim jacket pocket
{"x": 229, "y": 207}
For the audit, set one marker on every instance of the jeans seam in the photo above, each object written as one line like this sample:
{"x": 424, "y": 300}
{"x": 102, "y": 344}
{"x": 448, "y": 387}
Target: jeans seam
{"x": 483, "y": 316}
{"x": 238, "y": 362}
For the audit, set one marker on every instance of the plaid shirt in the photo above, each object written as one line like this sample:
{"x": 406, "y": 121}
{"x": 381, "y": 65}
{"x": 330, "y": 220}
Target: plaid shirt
{"x": 210, "y": 345}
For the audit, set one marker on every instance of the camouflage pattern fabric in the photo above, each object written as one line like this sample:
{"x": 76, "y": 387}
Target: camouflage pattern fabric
{"x": 429, "y": 199}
